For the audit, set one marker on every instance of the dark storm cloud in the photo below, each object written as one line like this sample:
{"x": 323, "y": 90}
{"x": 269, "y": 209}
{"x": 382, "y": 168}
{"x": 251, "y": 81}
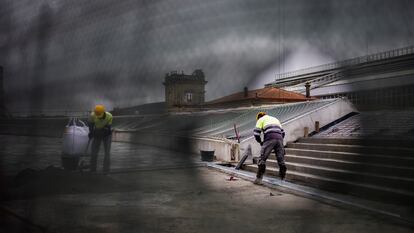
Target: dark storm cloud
{"x": 65, "y": 54}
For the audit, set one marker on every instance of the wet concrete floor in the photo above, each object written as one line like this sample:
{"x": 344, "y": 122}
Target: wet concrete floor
{"x": 20, "y": 152}
{"x": 172, "y": 200}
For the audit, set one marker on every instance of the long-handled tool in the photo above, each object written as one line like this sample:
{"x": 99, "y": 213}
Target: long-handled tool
{"x": 83, "y": 164}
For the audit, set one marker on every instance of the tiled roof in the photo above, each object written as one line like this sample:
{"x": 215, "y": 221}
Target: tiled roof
{"x": 267, "y": 93}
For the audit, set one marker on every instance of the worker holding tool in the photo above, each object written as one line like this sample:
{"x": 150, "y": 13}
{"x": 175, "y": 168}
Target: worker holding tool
{"x": 100, "y": 130}
{"x": 273, "y": 140}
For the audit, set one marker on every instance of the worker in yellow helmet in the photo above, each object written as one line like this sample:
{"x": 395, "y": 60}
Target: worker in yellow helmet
{"x": 273, "y": 140}
{"x": 100, "y": 130}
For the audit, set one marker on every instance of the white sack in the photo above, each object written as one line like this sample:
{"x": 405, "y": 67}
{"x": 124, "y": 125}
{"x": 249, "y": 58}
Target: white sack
{"x": 75, "y": 138}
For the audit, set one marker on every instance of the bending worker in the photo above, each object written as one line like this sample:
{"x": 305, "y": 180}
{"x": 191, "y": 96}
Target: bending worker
{"x": 273, "y": 140}
{"x": 100, "y": 130}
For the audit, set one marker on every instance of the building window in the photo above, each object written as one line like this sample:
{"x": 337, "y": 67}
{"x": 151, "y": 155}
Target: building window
{"x": 188, "y": 97}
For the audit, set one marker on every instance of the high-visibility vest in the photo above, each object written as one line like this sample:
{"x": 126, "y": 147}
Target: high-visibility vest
{"x": 100, "y": 123}
{"x": 269, "y": 126}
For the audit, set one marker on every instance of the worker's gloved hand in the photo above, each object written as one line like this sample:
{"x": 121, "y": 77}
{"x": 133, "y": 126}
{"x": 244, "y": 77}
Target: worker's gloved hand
{"x": 90, "y": 135}
{"x": 107, "y": 130}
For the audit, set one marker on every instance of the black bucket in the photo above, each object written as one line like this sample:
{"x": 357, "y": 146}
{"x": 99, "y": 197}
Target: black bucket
{"x": 207, "y": 155}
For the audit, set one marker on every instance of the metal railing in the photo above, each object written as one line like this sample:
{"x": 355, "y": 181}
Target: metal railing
{"x": 349, "y": 62}
{"x": 317, "y": 82}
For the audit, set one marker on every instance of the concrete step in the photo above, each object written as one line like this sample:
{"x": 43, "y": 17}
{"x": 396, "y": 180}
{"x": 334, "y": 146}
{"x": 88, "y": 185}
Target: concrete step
{"x": 364, "y": 177}
{"x": 374, "y": 192}
{"x": 375, "y": 169}
{"x": 409, "y": 152}
{"x": 388, "y": 160}
{"x": 397, "y": 182}
{"x": 378, "y": 169}
{"x": 362, "y": 142}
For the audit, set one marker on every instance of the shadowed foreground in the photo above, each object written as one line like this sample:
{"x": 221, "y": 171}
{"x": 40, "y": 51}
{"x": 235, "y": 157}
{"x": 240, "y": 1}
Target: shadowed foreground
{"x": 181, "y": 200}
{"x": 165, "y": 192}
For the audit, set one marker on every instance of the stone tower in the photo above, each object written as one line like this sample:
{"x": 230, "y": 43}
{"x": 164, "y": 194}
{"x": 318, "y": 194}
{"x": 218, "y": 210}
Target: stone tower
{"x": 183, "y": 90}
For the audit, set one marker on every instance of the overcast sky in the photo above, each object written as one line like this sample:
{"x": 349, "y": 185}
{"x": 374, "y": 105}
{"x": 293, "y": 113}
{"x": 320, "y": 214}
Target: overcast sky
{"x": 72, "y": 54}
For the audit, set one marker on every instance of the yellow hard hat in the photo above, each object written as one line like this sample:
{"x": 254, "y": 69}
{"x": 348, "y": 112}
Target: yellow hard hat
{"x": 260, "y": 114}
{"x": 99, "y": 110}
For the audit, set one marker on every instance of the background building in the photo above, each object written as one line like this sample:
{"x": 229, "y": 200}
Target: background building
{"x": 183, "y": 90}
{"x": 257, "y": 97}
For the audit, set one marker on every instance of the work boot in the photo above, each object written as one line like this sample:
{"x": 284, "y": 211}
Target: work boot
{"x": 282, "y": 171}
{"x": 261, "y": 169}
{"x": 258, "y": 181}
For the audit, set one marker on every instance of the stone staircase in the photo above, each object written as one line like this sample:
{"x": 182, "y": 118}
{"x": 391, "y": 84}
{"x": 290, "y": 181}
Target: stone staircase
{"x": 373, "y": 169}
{"x": 370, "y": 124}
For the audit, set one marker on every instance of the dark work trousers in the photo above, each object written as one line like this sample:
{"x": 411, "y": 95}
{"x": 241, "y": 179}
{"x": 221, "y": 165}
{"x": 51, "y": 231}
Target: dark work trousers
{"x": 96, "y": 144}
{"x": 267, "y": 147}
